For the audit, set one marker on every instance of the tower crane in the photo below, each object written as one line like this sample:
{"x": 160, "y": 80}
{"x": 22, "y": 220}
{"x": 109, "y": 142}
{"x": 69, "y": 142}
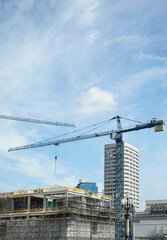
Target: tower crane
{"x": 117, "y": 136}
{"x": 114, "y": 134}
{"x": 36, "y": 121}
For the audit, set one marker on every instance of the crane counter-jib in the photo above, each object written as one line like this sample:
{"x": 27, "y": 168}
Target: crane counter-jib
{"x": 146, "y": 125}
{"x": 82, "y": 137}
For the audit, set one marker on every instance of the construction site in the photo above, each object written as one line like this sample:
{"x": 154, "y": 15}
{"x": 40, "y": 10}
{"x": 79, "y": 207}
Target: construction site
{"x": 56, "y": 213}
{"x": 66, "y": 213}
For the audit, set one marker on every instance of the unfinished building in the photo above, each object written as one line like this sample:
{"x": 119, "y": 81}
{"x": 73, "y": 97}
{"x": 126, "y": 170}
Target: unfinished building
{"x": 62, "y": 213}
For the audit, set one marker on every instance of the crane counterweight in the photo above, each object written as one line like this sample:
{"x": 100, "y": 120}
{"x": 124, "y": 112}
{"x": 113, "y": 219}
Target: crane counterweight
{"x": 159, "y": 128}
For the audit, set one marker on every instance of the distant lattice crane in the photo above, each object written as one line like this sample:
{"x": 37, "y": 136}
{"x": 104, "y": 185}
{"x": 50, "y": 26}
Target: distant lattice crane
{"x": 36, "y": 121}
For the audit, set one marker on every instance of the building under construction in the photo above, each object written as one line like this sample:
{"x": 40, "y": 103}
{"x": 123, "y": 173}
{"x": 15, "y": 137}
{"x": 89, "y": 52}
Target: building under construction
{"x": 62, "y": 213}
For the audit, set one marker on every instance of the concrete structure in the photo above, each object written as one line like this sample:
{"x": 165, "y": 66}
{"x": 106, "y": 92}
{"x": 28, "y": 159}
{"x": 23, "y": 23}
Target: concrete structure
{"x": 87, "y": 186}
{"x": 130, "y": 171}
{"x": 150, "y": 223}
{"x": 61, "y": 213}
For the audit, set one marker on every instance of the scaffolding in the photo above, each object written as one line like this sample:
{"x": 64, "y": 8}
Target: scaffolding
{"x": 56, "y": 213}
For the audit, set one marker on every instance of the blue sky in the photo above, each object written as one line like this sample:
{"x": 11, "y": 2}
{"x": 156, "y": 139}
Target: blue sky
{"x": 81, "y": 61}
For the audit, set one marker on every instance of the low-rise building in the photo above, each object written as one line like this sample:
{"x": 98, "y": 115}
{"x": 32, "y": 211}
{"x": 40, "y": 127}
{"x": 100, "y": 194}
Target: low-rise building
{"x": 60, "y": 213}
{"x": 150, "y": 223}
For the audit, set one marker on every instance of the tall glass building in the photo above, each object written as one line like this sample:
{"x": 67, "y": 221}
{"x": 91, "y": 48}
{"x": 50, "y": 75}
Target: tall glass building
{"x": 87, "y": 186}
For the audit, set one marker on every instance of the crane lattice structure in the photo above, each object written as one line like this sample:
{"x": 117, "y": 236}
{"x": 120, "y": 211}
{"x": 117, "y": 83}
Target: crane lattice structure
{"x": 36, "y": 121}
{"x": 117, "y": 136}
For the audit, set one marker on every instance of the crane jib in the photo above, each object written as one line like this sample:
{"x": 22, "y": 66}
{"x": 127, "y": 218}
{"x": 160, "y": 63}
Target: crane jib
{"x": 82, "y": 137}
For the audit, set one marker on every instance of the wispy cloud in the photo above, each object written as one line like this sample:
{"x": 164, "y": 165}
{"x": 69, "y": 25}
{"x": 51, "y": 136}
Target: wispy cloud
{"x": 14, "y": 135}
{"x": 95, "y": 100}
{"x": 138, "y": 80}
{"x": 42, "y": 48}
{"x": 88, "y": 11}
{"x": 54, "y": 54}
{"x": 39, "y": 170}
{"x": 128, "y": 39}
{"x": 93, "y": 36}
{"x": 151, "y": 57}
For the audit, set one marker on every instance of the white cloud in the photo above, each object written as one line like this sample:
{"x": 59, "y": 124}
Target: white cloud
{"x": 37, "y": 169}
{"x": 94, "y": 101}
{"x": 88, "y": 11}
{"x": 93, "y": 36}
{"x": 83, "y": 12}
{"x": 151, "y": 57}
{"x": 137, "y": 80}
{"x": 34, "y": 50}
{"x": 128, "y": 38}
{"x": 13, "y": 135}
{"x": 47, "y": 51}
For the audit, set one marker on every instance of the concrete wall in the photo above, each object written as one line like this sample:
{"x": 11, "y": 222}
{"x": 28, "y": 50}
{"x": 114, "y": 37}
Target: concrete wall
{"x": 148, "y": 228}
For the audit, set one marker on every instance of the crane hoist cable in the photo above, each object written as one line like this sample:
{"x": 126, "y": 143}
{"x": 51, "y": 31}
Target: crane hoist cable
{"x": 94, "y": 128}
{"x": 131, "y": 120}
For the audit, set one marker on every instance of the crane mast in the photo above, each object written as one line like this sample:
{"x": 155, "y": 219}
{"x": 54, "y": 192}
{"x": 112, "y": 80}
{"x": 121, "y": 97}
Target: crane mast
{"x": 119, "y": 180}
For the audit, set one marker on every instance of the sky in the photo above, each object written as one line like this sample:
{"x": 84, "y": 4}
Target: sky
{"x": 81, "y": 62}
